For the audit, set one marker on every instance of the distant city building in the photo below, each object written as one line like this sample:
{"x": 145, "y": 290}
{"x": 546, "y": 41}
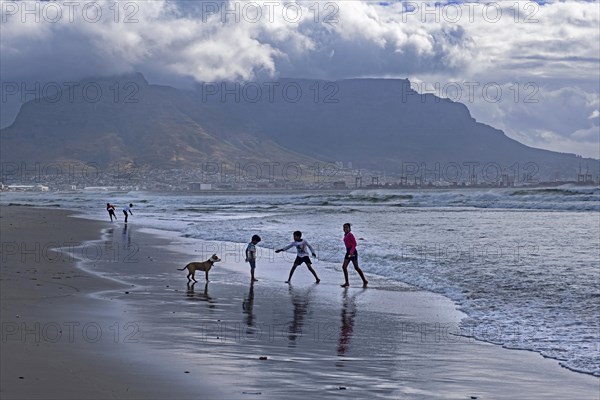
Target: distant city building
{"x": 197, "y": 186}
{"x": 26, "y": 188}
{"x": 101, "y": 188}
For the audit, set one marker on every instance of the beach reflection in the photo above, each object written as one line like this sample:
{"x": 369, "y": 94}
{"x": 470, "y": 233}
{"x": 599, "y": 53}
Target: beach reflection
{"x": 112, "y": 242}
{"x": 301, "y": 302}
{"x": 126, "y": 237}
{"x": 248, "y": 306}
{"x": 109, "y": 243}
{"x": 348, "y": 315}
{"x": 192, "y": 295}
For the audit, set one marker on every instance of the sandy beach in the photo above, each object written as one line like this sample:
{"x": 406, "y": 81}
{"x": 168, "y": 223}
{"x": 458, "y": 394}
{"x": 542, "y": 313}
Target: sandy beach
{"x": 111, "y": 317}
{"x": 58, "y": 341}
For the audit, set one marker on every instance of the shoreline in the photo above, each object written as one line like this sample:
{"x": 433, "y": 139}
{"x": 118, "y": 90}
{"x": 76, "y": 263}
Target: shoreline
{"x": 172, "y": 236}
{"x": 402, "y": 320}
{"x": 425, "y": 322}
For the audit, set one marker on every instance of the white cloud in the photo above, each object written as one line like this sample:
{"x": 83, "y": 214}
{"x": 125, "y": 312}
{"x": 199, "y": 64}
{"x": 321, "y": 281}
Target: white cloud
{"x": 558, "y": 53}
{"x": 583, "y": 142}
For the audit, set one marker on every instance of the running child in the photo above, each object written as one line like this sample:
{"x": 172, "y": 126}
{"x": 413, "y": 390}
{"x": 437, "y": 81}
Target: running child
{"x": 111, "y": 211}
{"x": 351, "y": 255}
{"x": 302, "y": 255}
{"x": 126, "y": 210}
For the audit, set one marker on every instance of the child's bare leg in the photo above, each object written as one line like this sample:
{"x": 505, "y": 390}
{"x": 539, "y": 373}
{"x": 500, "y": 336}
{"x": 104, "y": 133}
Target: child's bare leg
{"x": 310, "y": 268}
{"x": 362, "y": 276}
{"x": 252, "y": 268}
{"x": 291, "y": 273}
{"x": 345, "y": 269}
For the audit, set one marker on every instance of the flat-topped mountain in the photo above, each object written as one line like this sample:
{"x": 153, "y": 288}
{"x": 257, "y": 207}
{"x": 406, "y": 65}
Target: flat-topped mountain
{"x": 378, "y": 124}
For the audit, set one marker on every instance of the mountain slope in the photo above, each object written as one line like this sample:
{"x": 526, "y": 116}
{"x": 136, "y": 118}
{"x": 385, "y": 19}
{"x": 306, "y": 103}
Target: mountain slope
{"x": 379, "y": 124}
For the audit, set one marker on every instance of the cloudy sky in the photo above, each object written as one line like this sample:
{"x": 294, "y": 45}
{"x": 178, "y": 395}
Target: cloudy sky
{"x": 528, "y": 68}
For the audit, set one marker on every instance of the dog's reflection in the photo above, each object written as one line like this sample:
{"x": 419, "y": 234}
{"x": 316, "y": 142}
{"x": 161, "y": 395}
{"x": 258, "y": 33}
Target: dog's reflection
{"x": 199, "y": 296}
{"x": 301, "y": 303}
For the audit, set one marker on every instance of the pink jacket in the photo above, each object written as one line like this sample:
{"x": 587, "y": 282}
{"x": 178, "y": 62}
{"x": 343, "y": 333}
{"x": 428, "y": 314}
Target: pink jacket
{"x": 350, "y": 243}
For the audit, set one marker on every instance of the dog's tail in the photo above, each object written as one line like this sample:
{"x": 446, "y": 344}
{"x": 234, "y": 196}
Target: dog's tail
{"x": 182, "y": 268}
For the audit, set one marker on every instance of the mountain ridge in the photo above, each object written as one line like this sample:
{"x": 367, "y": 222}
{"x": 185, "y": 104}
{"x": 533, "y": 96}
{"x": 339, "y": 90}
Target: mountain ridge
{"x": 377, "y": 124}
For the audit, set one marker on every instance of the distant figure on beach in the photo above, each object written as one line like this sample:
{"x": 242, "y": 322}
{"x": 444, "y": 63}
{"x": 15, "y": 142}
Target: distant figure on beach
{"x": 351, "y": 255}
{"x": 251, "y": 255}
{"x": 126, "y": 210}
{"x": 302, "y": 256}
{"x": 111, "y": 211}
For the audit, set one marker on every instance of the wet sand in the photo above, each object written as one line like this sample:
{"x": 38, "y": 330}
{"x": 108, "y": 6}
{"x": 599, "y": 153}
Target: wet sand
{"x": 60, "y": 342}
{"x": 173, "y": 340}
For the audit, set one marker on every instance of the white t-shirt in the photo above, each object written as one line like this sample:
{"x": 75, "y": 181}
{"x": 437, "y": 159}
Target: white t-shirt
{"x": 300, "y": 248}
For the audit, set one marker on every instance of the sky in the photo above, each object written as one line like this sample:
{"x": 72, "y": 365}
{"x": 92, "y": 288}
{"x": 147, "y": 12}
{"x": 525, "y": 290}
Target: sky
{"x": 528, "y": 68}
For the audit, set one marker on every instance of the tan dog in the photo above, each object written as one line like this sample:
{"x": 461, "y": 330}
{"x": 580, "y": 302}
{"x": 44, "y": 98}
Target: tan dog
{"x": 200, "y": 266}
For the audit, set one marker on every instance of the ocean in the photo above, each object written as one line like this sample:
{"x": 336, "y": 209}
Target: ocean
{"x": 522, "y": 263}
